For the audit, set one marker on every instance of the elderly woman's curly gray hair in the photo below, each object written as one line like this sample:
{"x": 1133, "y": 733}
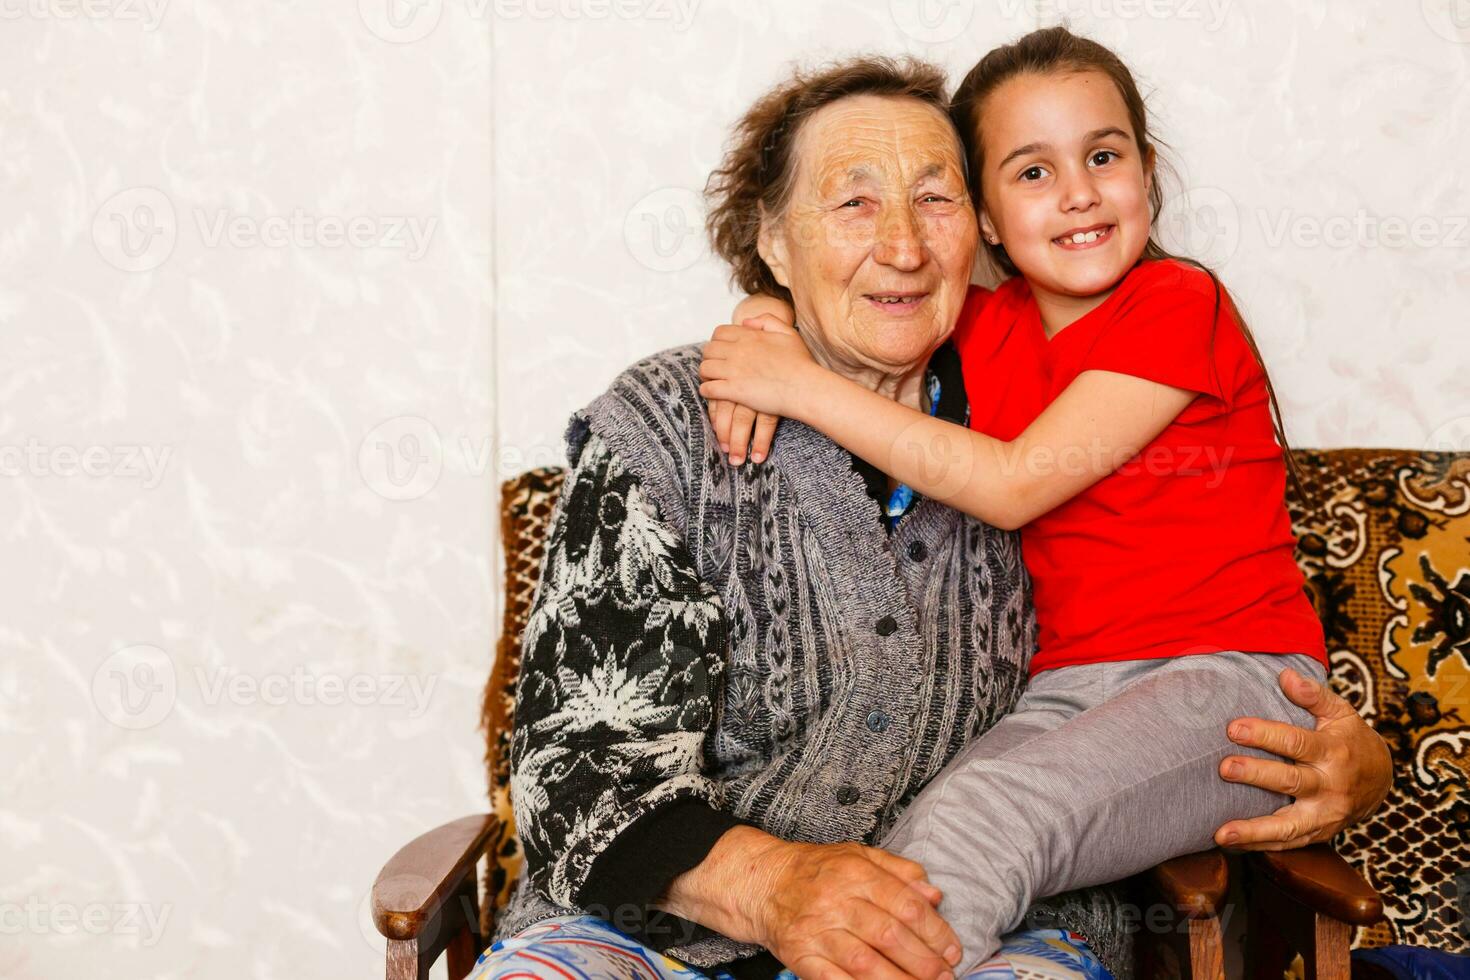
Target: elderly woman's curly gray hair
{"x": 759, "y": 166}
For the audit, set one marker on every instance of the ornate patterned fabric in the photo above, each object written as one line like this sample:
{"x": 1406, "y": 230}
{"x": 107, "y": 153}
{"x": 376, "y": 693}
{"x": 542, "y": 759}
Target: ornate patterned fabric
{"x": 582, "y": 947}
{"x": 1384, "y": 539}
{"x": 1385, "y": 545}
{"x": 526, "y": 505}
{"x": 588, "y": 948}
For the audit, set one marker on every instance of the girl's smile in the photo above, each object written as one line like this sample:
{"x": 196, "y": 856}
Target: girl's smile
{"x": 1082, "y": 238}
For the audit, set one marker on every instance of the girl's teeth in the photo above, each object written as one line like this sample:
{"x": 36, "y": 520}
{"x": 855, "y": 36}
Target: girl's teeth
{"x": 1082, "y": 238}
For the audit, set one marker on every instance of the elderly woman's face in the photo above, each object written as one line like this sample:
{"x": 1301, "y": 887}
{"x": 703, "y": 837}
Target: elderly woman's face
{"x": 877, "y": 242}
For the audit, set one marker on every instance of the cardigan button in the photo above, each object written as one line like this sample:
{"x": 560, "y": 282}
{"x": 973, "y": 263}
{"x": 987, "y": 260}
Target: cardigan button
{"x": 848, "y": 795}
{"x": 887, "y": 626}
{"x": 878, "y": 721}
{"x": 917, "y": 551}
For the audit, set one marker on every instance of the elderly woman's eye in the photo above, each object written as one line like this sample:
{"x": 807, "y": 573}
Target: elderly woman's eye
{"x": 934, "y": 198}
{"x": 1102, "y": 157}
{"x": 855, "y": 201}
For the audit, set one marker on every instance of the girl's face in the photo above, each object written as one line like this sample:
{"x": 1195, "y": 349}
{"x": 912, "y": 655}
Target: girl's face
{"x": 1062, "y": 164}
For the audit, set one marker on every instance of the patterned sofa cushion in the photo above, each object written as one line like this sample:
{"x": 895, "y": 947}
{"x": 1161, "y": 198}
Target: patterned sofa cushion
{"x": 1384, "y": 540}
{"x": 526, "y": 503}
{"x": 1385, "y": 546}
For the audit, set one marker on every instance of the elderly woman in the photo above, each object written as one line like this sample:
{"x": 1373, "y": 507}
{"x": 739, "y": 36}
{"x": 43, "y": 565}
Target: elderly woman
{"x": 735, "y": 680}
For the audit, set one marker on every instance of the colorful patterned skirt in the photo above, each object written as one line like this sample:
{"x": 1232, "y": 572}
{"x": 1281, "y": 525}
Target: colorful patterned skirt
{"x": 587, "y": 948}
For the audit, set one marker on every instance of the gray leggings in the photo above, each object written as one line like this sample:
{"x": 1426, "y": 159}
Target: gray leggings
{"x": 1101, "y": 771}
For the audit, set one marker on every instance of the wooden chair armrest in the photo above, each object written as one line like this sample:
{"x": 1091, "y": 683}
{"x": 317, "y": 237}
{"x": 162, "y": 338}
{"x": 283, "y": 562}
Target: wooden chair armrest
{"x": 1320, "y": 879}
{"x": 416, "y": 881}
{"x": 1194, "y": 884}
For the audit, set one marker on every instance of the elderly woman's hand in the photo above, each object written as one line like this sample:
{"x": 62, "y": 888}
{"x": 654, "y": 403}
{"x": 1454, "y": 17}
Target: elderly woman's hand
{"x": 832, "y": 911}
{"x": 1338, "y": 773}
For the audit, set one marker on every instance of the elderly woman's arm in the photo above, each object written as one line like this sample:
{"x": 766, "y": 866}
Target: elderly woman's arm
{"x": 622, "y": 662}
{"x": 1337, "y": 774}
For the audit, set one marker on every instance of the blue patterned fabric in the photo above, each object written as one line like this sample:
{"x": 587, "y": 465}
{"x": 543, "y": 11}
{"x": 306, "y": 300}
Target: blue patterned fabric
{"x": 1416, "y": 963}
{"x": 587, "y": 948}
{"x": 1052, "y": 953}
{"x": 902, "y": 497}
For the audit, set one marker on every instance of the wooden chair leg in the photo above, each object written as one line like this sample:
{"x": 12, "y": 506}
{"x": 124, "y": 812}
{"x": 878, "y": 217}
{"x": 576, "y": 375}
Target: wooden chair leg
{"x": 1190, "y": 949}
{"x": 1206, "y": 950}
{"x": 404, "y": 961}
{"x": 1334, "y": 958}
{"x": 1284, "y": 936}
{"x": 1181, "y": 936}
{"x": 464, "y": 946}
{"x": 454, "y": 930}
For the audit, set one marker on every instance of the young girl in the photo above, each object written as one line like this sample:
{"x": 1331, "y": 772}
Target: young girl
{"x": 1121, "y": 418}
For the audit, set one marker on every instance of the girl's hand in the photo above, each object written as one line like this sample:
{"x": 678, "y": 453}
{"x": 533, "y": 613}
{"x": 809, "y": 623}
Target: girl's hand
{"x": 1338, "y": 773}
{"x": 735, "y": 422}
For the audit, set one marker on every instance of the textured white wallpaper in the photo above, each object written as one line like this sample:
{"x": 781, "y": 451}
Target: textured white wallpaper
{"x": 286, "y": 288}
{"x": 1321, "y": 151}
{"x": 247, "y": 597}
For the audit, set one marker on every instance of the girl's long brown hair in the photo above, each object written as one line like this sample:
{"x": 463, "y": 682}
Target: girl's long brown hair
{"x": 1056, "y": 49}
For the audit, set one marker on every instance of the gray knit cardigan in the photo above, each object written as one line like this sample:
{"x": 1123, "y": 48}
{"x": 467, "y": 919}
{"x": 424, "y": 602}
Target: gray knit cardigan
{"x": 749, "y": 642}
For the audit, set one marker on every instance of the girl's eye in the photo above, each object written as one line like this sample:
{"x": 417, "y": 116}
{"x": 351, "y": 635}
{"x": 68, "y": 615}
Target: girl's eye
{"x": 1033, "y": 173}
{"x": 1103, "y": 157}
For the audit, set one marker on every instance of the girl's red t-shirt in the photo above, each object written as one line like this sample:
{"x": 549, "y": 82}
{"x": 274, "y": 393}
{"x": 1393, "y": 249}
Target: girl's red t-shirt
{"x": 1184, "y": 549}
